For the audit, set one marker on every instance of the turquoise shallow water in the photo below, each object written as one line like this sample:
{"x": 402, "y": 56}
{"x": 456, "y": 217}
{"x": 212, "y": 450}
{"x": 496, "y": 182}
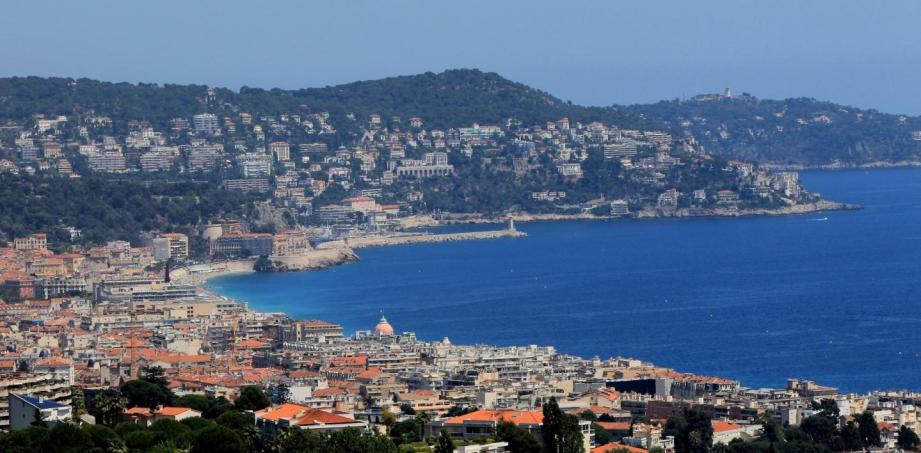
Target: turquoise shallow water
{"x": 758, "y": 299}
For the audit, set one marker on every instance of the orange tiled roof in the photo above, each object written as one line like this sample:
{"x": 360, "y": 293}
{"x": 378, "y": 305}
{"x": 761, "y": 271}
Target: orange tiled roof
{"x": 286, "y": 410}
{"x": 516, "y": 417}
{"x": 318, "y": 417}
{"x": 615, "y": 426}
{"x": 720, "y": 426}
{"x": 617, "y": 446}
{"x": 173, "y": 411}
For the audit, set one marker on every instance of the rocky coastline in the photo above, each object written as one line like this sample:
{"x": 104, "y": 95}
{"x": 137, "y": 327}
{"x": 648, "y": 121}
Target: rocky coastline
{"x": 475, "y": 218}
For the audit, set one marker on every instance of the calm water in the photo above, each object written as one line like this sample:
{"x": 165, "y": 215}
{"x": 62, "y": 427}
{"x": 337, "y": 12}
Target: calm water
{"x": 756, "y": 299}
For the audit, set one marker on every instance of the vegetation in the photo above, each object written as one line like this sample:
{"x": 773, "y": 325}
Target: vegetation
{"x": 519, "y": 440}
{"x": 792, "y": 131}
{"x": 106, "y": 209}
{"x": 560, "y": 431}
{"x": 264, "y": 264}
{"x": 252, "y": 398}
{"x": 692, "y": 431}
{"x": 908, "y": 439}
{"x": 462, "y": 96}
{"x": 821, "y": 432}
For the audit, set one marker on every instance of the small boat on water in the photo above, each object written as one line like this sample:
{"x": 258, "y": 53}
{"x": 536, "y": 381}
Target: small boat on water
{"x": 823, "y": 219}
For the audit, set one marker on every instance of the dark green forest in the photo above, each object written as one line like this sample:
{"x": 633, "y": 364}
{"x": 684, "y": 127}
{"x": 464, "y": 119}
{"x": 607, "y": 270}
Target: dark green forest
{"x": 107, "y": 209}
{"x": 800, "y": 131}
{"x": 757, "y": 129}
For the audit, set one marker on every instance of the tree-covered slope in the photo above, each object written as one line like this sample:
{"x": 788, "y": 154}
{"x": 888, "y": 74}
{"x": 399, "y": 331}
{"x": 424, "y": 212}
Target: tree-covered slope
{"x": 448, "y": 99}
{"x": 792, "y": 131}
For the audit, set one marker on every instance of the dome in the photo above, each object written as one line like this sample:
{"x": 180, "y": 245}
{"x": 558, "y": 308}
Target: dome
{"x": 383, "y": 327}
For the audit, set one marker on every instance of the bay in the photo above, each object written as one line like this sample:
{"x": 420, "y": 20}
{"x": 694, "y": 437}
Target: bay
{"x": 833, "y": 297}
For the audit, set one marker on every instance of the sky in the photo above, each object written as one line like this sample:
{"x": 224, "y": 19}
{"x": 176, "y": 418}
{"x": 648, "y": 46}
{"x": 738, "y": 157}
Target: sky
{"x": 860, "y": 53}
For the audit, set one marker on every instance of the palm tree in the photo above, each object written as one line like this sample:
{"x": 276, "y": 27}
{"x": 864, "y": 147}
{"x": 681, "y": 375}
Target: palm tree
{"x": 421, "y": 419}
{"x": 109, "y": 406}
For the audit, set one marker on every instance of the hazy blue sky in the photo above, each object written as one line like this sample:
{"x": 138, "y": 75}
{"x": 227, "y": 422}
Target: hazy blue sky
{"x": 864, "y": 53}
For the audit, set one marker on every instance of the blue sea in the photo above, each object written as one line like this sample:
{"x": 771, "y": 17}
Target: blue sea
{"x": 834, "y": 297}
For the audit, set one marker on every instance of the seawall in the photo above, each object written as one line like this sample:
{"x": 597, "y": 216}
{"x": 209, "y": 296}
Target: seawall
{"x": 413, "y": 238}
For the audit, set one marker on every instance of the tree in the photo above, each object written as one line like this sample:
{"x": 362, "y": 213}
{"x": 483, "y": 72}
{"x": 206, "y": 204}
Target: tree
{"x": 243, "y": 425}
{"x": 819, "y": 428}
{"x": 869, "y": 430}
{"x": 252, "y": 398}
{"x": 108, "y": 407}
{"x": 519, "y": 440}
{"x": 571, "y": 440}
{"x": 827, "y": 407}
{"x": 445, "y": 444}
{"x": 560, "y": 431}
{"x": 144, "y": 394}
{"x": 169, "y": 428}
{"x": 209, "y": 406}
{"x": 602, "y": 436}
{"x": 66, "y": 437}
{"x": 264, "y": 264}
{"x": 692, "y": 430}
{"x": 299, "y": 440}
{"x": 405, "y": 431}
{"x": 421, "y": 420}
{"x": 388, "y": 419}
{"x": 217, "y": 439}
{"x": 552, "y": 428}
{"x": 850, "y": 437}
{"x": 771, "y": 431}
{"x": 908, "y": 439}
{"x": 79, "y": 403}
{"x": 407, "y": 409}
{"x": 157, "y": 376}
{"x": 104, "y": 438}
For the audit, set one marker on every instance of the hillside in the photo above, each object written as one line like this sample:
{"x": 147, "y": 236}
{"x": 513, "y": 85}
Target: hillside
{"x": 793, "y": 131}
{"x": 448, "y": 99}
{"x": 797, "y": 131}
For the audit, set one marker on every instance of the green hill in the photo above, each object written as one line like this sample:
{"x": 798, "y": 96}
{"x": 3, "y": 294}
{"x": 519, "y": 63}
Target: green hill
{"x": 793, "y": 131}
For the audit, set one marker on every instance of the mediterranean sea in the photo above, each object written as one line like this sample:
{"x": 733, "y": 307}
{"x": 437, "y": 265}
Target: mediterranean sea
{"x": 834, "y": 297}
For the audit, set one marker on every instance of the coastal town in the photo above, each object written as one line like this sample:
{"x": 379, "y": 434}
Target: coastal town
{"x": 88, "y": 320}
{"x": 350, "y": 175}
{"x": 80, "y": 329}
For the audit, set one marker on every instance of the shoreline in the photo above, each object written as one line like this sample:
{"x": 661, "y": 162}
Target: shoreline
{"x": 228, "y": 268}
{"x": 428, "y": 220}
{"x": 341, "y": 252}
{"x": 875, "y": 165}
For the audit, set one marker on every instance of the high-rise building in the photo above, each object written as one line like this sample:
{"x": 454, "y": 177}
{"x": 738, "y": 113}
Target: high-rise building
{"x": 206, "y": 122}
{"x": 171, "y": 245}
{"x": 280, "y": 150}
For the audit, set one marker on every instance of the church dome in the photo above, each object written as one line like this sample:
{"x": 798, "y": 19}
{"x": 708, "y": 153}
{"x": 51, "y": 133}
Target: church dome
{"x": 383, "y": 327}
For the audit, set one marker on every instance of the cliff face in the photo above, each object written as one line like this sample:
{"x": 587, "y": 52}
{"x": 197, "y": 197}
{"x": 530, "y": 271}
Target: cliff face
{"x": 316, "y": 259}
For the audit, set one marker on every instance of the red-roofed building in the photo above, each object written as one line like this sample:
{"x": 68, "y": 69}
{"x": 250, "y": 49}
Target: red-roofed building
{"x": 145, "y": 417}
{"x": 290, "y": 415}
{"x": 313, "y": 331}
{"x": 482, "y": 423}
{"x": 615, "y": 446}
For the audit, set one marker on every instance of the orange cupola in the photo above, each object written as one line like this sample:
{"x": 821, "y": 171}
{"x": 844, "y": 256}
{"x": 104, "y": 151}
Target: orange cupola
{"x": 383, "y": 327}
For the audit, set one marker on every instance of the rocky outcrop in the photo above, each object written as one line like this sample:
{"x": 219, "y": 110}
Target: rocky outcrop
{"x": 315, "y": 259}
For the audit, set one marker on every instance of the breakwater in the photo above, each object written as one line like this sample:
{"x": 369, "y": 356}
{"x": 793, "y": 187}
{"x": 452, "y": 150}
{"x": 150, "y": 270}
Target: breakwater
{"x": 413, "y": 238}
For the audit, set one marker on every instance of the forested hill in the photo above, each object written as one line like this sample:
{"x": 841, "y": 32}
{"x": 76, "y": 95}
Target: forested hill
{"x": 793, "y": 131}
{"x": 798, "y": 131}
{"x": 448, "y": 99}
